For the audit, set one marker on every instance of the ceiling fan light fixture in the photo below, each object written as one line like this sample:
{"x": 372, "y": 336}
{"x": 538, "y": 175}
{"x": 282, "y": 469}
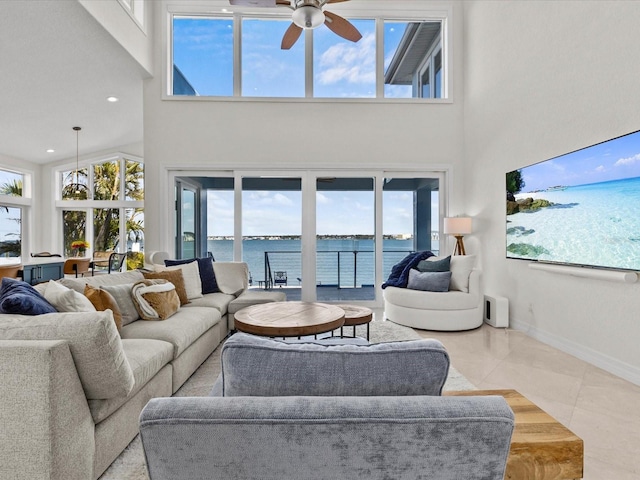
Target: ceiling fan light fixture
{"x": 308, "y": 16}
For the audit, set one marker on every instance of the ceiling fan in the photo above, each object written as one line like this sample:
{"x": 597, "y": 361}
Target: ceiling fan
{"x": 307, "y": 14}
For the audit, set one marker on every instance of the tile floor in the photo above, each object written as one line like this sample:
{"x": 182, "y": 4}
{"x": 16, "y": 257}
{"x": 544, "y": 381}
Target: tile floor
{"x": 597, "y": 406}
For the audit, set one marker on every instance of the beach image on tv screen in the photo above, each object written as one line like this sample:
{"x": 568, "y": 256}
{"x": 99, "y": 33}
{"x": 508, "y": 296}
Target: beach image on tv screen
{"x": 582, "y": 208}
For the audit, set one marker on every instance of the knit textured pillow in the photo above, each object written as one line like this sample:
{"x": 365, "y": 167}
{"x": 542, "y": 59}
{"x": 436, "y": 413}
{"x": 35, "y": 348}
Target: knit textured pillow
{"x": 155, "y": 299}
{"x": 173, "y": 276}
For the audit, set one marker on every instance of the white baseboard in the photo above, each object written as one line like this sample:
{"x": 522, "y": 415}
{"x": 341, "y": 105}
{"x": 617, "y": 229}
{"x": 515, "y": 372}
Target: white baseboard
{"x": 600, "y": 360}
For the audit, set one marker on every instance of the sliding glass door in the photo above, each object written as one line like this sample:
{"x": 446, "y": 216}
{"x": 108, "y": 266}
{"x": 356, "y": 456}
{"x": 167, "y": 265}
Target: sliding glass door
{"x": 316, "y": 235}
{"x": 272, "y": 230}
{"x": 345, "y": 238}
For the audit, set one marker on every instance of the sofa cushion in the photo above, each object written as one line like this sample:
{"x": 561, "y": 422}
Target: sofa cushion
{"x": 219, "y": 301}
{"x": 94, "y": 343}
{"x": 173, "y": 276}
{"x": 429, "y": 281}
{"x": 155, "y": 299}
{"x": 232, "y": 277}
{"x": 191, "y": 275}
{"x": 66, "y": 299}
{"x": 19, "y": 297}
{"x": 146, "y": 358}
{"x": 103, "y": 300}
{"x": 452, "y": 300}
{"x": 130, "y": 277}
{"x": 256, "y": 366}
{"x": 122, "y": 295}
{"x": 254, "y": 297}
{"x": 181, "y": 330}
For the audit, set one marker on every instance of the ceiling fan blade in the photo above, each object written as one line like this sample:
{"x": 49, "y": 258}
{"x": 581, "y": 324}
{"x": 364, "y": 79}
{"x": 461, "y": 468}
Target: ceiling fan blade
{"x": 290, "y": 36}
{"x": 341, "y": 27}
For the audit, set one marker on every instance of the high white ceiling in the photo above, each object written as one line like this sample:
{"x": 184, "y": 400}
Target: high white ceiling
{"x": 57, "y": 68}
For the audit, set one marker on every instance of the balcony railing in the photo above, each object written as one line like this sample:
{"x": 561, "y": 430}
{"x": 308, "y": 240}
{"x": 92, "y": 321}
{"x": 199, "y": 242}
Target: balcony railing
{"x": 335, "y": 268}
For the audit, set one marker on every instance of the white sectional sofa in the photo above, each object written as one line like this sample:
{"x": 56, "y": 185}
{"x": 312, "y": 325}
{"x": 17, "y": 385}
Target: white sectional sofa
{"x": 73, "y": 386}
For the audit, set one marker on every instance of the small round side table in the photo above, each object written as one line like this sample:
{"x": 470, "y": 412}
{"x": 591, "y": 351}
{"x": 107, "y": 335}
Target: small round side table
{"x": 356, "y": 315}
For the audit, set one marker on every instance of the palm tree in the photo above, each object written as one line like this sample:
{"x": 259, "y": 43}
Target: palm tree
{"x": 106, "y": 186}
{"x": 12, "y": 248}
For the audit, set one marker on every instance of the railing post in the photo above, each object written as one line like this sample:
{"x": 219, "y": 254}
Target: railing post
{"x": 266, "y": 264}
{"x": 355, "y": 267}
{"x": 338, "y": 270}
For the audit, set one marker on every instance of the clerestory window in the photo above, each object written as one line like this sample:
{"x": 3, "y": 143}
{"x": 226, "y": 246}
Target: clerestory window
{"x": 240, "y": 55}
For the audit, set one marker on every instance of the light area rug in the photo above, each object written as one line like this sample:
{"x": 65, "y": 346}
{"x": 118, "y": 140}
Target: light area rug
{"x": 130, "y": 465}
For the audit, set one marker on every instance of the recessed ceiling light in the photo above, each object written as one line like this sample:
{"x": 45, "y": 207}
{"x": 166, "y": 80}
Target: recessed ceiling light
{"x": 51, "y": 150}
{"x": 112, "y": 99}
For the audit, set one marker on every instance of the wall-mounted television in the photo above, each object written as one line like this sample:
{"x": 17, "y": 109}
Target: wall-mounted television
{"x": 581, "y": 208}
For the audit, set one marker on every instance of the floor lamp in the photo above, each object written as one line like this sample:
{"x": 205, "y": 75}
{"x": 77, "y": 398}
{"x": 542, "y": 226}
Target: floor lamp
{"x": 458, "y": 227}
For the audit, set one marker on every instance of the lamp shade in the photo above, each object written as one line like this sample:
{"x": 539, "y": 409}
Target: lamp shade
{"x": 457, "y": 226}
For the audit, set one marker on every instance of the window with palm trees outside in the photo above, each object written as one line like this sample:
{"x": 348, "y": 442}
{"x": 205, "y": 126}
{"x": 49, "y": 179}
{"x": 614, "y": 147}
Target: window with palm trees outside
{"x": 10, "y": 217}
{"x": 111, "y": 194}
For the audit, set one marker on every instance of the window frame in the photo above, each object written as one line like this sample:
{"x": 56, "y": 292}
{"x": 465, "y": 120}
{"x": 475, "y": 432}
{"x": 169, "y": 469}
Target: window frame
{"x": 440, "y": 13}
{"x": 89, "y": 206}
{"x": 24, "y": 203}
{"x": 308, "y": 177}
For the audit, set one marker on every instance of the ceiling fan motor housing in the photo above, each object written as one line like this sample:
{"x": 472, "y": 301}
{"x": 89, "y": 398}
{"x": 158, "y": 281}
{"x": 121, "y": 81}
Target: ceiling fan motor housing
{"x": 308, "y": 14}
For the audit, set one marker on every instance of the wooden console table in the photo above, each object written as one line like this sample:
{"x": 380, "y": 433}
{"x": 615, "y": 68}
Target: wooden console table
{"x": 541, "y": 447}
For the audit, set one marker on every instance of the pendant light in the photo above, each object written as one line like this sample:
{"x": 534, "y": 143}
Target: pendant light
{"x": 77, "y": 189}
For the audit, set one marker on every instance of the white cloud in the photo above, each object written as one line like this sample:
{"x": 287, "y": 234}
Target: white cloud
{"x": 600, "y": 169}
{"x": 322, "y": 199}
{"x": 628, "y": 160}
{"x": 280, "y": 199}
{"x": 347, "y": 62}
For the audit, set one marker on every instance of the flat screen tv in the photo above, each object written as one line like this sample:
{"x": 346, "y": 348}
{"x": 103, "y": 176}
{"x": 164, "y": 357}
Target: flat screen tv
{"x": 581, "y": 208}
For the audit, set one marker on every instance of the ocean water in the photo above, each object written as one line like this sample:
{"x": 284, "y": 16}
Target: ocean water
{"x": 596, "y": 224}
{"x": 343, "y": 262}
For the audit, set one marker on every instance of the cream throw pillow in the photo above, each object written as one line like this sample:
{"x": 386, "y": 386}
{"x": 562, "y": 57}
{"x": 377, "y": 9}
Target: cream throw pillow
{"x": 461, "y": 266}
{"x": 65, "y": 299}
{"x": 191, "y": 274}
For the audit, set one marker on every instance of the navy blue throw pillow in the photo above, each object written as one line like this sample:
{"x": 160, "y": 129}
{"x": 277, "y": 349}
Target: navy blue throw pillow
{"x": 205, "y": 267}
{"x": 21, "y": 298}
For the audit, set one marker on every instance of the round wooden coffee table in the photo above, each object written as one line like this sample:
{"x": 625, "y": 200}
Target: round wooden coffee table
{"x": 356, "y": 315}
{"x": 289, "y": 319}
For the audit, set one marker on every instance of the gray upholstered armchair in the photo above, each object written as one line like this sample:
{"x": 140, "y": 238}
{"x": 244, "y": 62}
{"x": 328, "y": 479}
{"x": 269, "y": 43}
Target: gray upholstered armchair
{"x": 276, "y": 417}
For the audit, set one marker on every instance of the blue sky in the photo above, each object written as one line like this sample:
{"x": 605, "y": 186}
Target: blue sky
{"x": 338, "y": 213}
{"x": 611, "y": 160}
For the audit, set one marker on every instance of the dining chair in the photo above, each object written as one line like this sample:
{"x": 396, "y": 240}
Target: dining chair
{"x": 76, "y": 266}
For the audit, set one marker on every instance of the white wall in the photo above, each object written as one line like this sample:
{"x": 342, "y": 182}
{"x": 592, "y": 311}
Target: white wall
{"x": 135, "y": 38}
{"x": 293, "y": 135}
{"x": 543, "y": 79}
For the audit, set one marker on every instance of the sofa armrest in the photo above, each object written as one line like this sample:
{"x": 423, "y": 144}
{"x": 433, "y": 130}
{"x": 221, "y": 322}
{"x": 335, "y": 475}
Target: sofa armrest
{"x": 475, "y": 281}
{"x": 47, "y": 429}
